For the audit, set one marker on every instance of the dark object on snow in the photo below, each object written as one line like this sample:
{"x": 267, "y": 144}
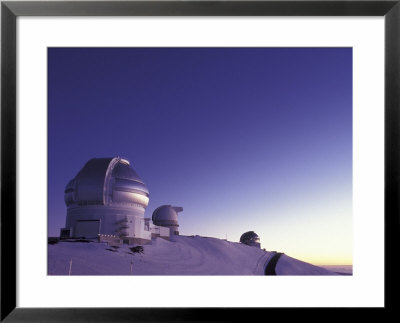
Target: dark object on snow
{"x": 77, "y": 240}
{"x": 82, "y": 240}
{"x": 137, "y": 249}
{"x": 270, "y": 268}
{"x": 53, "y": 240}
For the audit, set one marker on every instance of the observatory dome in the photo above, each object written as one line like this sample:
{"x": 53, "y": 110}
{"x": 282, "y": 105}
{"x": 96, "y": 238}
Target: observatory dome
{"x": 106, "y": 181}
{"x": 250, "y": 238}
{"x": 167, "y": 216}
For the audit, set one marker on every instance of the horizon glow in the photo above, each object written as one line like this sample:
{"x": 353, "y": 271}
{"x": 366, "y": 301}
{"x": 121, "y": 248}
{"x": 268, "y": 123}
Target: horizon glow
{"x": 242, "y": 138}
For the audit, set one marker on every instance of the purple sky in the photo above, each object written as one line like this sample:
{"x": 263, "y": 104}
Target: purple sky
{"x": 242, "y": 138}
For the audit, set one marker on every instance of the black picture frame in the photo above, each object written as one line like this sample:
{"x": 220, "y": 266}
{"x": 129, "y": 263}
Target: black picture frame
{"x": 10, "y": 10}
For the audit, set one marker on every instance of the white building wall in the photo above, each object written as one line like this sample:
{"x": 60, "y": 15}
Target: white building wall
{"x": 146, "y": 235}
{"x": 164, "y": 232}
{"x": 112, "y": 219}
{"x": 156, "y": 229}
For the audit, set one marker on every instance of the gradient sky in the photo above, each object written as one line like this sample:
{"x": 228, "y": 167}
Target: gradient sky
{"x": 242, "y": 138}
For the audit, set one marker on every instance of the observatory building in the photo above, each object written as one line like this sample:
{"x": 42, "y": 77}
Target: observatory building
{"x": 106, "y": 197}
{"x": 250, "y": 238}
{"x": 107, "y": 200}
{"x": 167, "y": 216}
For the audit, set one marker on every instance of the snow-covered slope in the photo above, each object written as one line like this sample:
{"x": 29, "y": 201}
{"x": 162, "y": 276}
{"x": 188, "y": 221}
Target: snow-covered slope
{"x": 340, "y": 269}
{"x": 291, "y": 266}
{"x": 185, "y": 255}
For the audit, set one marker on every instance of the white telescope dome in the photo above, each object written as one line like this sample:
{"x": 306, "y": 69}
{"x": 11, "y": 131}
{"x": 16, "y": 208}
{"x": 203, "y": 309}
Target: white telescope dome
{"x": 167, "y": 216}
{"x": 106, "y": 181}
{"x": 106, "y": 198}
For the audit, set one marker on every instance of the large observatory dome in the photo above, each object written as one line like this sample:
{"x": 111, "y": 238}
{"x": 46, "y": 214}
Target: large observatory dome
{"x": 106, "y": 181}
{"x": 250, "y": 238}
{"x": 167, "y": 216}
{"x": 106, "y": 200}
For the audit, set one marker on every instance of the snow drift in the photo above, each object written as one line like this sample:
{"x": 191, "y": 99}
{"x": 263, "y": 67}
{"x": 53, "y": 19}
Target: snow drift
{"x": 183, "y": 255}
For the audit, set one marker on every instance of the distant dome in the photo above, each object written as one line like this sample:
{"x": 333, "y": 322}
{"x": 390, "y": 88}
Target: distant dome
{"x": 250, "y": 238}
{"x": 106, "y": 181}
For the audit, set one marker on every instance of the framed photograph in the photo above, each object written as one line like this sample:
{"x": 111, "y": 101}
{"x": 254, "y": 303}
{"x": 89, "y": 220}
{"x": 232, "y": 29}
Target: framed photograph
{"x": 165, "y": 160}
